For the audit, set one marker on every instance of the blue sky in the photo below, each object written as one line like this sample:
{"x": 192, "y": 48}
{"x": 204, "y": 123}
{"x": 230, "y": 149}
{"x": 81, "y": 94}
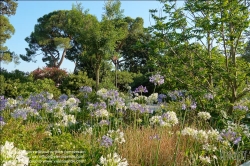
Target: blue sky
{"x": 29, "y": 11}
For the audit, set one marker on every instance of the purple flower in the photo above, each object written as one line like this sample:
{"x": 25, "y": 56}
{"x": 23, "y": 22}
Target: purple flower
{"x": 141, "y": 89}
{"x": 3, "y": 102}
{"x": 241, "y": 107}
{"x": 161, "y": 97}
{"x": 85, "y": 89}
{"x": 156, "y": 79}
{"x": 106, "y": 141}
{"x": 237, "y": 140}
{"x": 104, "y": 122}
{"x": 193, "y": 106}
{"x": 63, "y": 97}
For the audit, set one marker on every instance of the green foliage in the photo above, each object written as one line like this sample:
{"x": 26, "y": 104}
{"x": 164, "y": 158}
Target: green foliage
{"x": 7, "y": 8}
{"x": 18, "y": 83}
{"x": 72, "y": 83}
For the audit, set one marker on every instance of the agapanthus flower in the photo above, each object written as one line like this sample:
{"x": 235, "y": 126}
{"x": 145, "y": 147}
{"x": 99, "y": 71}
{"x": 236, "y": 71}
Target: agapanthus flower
{"x": 85, "y": 89}
{"x": 141, "y": 89}
{"x": 68, "y": 120}
{"x": 177, "y": 94}
{"x": 113, "y": 159}
{"x": 102, "y": 93}
{"x": 205, "y": 160}
{"x": 104, "y": 122}
{"x": 24, "y": 112}
{"x": 101, "y": 113}
{"x": 241, "y": 107}
{"x": 3, "y": 103}
{"x": 170, "y": 118}
{"x": 106, "y": 141}
{"x": 153, "y": 98}
{"x": 63, "y": 97}
{"x": 161, "y": 97}
{"x": 11, "y": 155}
{"x": 156, "y": 79}
{"x": 204, "y": 115}
{"x": 193, "y": 106}
{"x": 117, "y": 136}
{"x": 2, "y": 123}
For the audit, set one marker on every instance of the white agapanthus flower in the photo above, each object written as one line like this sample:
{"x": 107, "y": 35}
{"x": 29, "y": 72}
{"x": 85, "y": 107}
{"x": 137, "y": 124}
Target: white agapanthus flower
{"x": 153, "y": 98}
{"x": 117, "y": 136}
{"x": 204, "y": 115}
{"x": 114, "y": 160}
{"x": 68, "y": 120}
{"x": 101, "y": 113}
{"x": 155, "y": 120}
{"x": 71, "y": 101}
{"x": 50, "y": 95}
{"x": 12, "y": 156}
{"x": 170, "y": 118}
{"x": 205, "y": 160}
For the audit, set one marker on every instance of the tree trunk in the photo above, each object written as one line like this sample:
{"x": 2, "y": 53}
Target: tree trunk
{"x": 62, "y": 58}
{"x": 97, "y": 73}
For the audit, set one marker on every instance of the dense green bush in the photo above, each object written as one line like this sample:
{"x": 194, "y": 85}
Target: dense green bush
{"x": 72, "y": 83}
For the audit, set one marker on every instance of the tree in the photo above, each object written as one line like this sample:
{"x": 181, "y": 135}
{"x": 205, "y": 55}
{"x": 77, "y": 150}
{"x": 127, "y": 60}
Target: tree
{"x": 51, "y": 36}
{"x": 7, "y": 8}
{"x": 218, "y": 26}
{"x": 102, "y": 40}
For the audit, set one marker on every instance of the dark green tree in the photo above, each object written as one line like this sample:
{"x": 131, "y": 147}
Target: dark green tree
{"x": 7, "y": 8}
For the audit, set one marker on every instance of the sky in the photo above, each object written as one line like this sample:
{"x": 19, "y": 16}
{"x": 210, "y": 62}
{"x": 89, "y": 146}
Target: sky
{"x": 28, "y": 12}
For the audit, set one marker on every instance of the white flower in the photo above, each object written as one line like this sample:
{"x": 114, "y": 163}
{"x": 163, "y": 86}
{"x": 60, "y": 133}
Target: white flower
{"x": 114, "y": 160}
{"x": 101, "y": 113}
{"x": 155, "y": 120}
{"x": 152, "y": 98}
{"x": 71, "y": 101}
{"x": 102, "y": 92}
{"x": 117, "y": 136}
{"x": 189, "y": 131}
{"x": 205, "y": 160}
{"x": 12, "y": 156}
{"x": 204, "y": 115}
{"x": 49, "y": 95}
{"x": 170, "y": 118}
{"x": 68, "y": 120}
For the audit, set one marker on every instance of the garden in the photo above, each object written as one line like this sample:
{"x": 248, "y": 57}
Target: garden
{"x": 176, "y": 93}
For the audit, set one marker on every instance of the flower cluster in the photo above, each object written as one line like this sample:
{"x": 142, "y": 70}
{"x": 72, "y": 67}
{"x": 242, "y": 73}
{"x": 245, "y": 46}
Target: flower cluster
{"x": 101, "y": 113}
{"x": 201, "y": 135}
{"x": 230, "y": 136}
{"x": 24, "y": 112}
{"x": 106, "y": 141}
{"x": 68, "y": 120}
{"x": 241, "y": 107}
{"x": 113, "y": 159}
{"x": 141, "y": 89}
{"x": 13, "y": 156}
{"x": 161, "y": 97}
{"x": 167, "y": 119}
{"x": 3, "y": 102}
{"x": 156, "y": 79}
{"x": 153, "y": 98}
{"x": 204, "y": 115}
{"x": 117, "y": 136}
{"x": 177, "y": 94}
{"x": 134, "y": 106}
{"x": 85, "y": 89}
